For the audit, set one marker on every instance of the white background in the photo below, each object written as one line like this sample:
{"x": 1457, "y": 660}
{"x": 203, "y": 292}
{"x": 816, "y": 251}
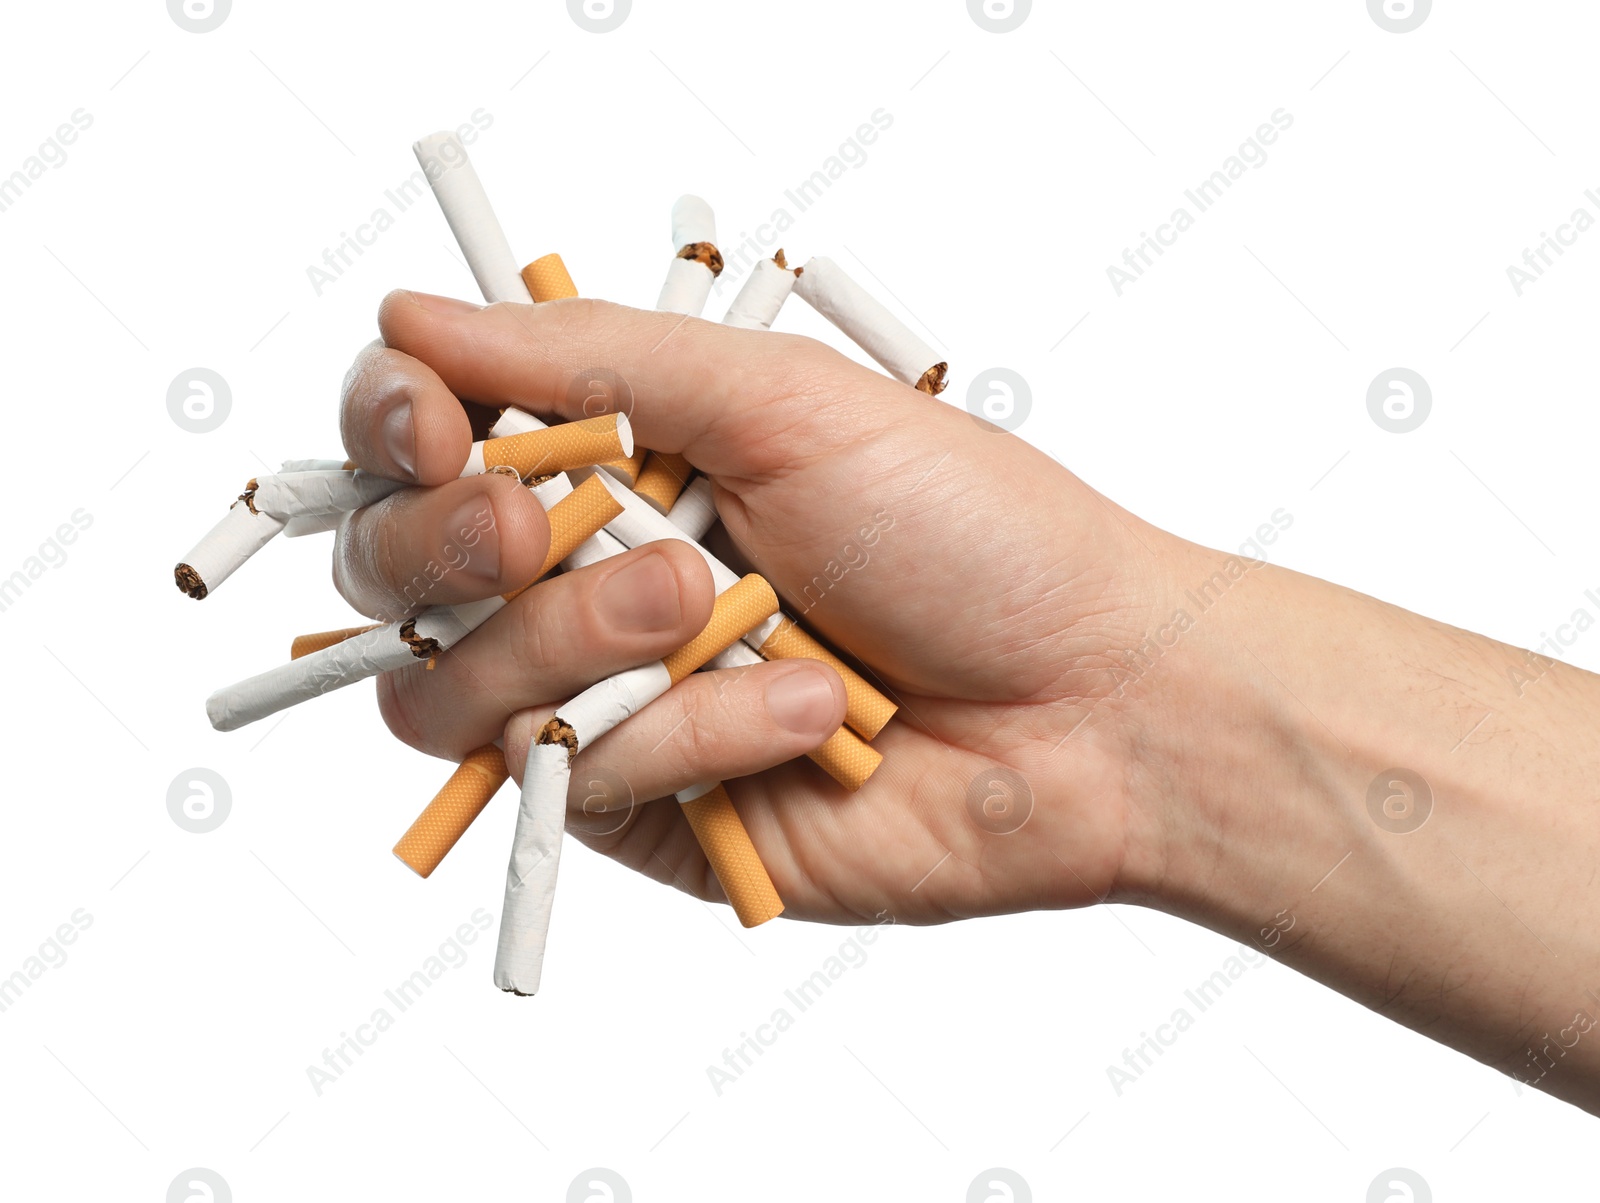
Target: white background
{"x": 1229, "y": 382}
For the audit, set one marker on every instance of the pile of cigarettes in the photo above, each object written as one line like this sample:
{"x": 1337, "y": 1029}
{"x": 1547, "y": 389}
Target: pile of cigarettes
{"x": 602, "y": 495}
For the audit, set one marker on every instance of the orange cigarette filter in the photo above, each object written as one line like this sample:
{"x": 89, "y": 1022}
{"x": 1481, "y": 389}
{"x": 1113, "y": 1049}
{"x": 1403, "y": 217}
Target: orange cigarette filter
{"x": 847, "y": 758}
{"x": 867, "y": 710}
{"x": 629, "y": 467}
{"x": 581, "y": 444}
{"x": 663, "y": 477}
{"x": 747, "y": 603}
{"x": 444, "y": 820}
{"x": 304, "y": 645}
{"x": 733, "y": 857}
{"x": 547, "y": 279}
{"x": 572, "y": 520}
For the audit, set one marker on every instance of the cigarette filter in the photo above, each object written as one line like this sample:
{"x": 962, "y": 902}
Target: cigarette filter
{"x": 554, "y": 449}
{"x": 466, "y": 207}
{"x": 733, "y": 857}
{"x": 763, "y": 293}
{"x": 662, "y": 479}
{"x": 393, "y": 645}
{"x": 844, "y": 756}
{"x": 868, "y": 711}
{"x": 694, "y": 513}
{"x": 304, "y": 645}
{"x": 547, "y": 279}
{"x": 445, "y": 819}
{"x": 697, "y": 263}
{"x": 639, "y": 524}
{"x": 826, "y": 287}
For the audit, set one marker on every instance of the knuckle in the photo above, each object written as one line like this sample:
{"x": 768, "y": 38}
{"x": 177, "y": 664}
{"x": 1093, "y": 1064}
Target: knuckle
{"x": 404, "y": 706}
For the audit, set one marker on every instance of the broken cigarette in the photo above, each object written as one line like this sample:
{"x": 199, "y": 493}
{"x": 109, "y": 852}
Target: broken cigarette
{"x": 541, "y": 814}
{"x": 697, "y": 263}
{"x": 260, "y": 514}
{"x": 732, "y": 855}
{"x": 868, "y": 709}
{"x": 582, "y": 511}
{"x": 826, "y": 287}
{"x": 762, "y": 295}
{"x": 445, "y": 819}
{"x": 466, "y": 207}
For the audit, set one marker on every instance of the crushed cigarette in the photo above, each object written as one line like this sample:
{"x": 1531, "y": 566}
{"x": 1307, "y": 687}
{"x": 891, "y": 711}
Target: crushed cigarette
{"x": 696, "y": 262}
{"x": 662, "y": 479}
{"x": 762, "y": 295}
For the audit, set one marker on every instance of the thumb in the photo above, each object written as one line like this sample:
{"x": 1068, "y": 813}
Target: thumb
{"x": 737, "y": 403}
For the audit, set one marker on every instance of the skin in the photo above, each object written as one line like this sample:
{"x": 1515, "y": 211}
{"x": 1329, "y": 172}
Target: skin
{"x": 1090, "y": 708}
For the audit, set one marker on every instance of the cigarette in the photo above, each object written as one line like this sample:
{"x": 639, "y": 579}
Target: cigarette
{"x": 582, "y": 444}
{"x": 466, "y": 207}
{"x": 638, "y": 524}
{"x": 304, "y": 645}
{"x": 697, "y": 263}
{"x": 694, "y": 513}
{"x": 844, "y": 755}
{"x": 662, "y": 479}
{"x": 541, "y": 814}
{"x": 261, "y": 513}
{"x": 763, "y": 293}
{"x": 547, "y": 279}
{"x": 392, "y": 645}
{"x": 445, "y": 819}
{"x": 823, "y": 284}
{"x": 733, "y": 857}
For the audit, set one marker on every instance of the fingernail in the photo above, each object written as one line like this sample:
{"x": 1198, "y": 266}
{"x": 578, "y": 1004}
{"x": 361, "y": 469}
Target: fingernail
{"x": 640, "y": 598}
{"x": 472, "y": 539}
{"x": 400, "y": 439}
{"x": 448, "y": 306}
{"x": 801, "y": 701}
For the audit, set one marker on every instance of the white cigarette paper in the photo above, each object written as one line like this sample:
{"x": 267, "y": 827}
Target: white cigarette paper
{"x": 466, "y": 207}
{"x": 694, "y": 513}
{"x": 765, "y": 290}
{"x": 384, "y": 648}
{"x": 531, "y": 875}
{"x": 832, "y": 293}
{"x": 224, "y": 549}
{"x": 688, "y": 283}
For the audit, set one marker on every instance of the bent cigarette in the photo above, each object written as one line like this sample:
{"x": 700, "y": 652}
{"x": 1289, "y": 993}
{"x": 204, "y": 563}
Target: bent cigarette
{"x": 732, "y": 855}
{"x": 392, "y": 645}
{"x": 694, "y": 513}
{"x": 639, "y": 524}
{"x": 223, "y": 550}
{"x": 582, "y": 444}
{"x": 662, "y": 479}
{"x": 762, "y": 295}
{"x": 304, "y": 645}
{"x": 445, "y": 819}
{"x": 547, "y": 279}
{"x": 541, "y": 815}
{"x": 466, "y": 208}
{"x": 826, "y": 287}
{"x": 697, "y": 263}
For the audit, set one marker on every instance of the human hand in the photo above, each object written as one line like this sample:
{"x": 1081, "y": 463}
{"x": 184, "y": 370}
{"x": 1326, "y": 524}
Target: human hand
{"x": 985, "y": 586}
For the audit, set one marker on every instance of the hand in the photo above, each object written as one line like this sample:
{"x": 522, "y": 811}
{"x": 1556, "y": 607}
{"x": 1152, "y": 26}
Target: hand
{"x": 985, "y": 586}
